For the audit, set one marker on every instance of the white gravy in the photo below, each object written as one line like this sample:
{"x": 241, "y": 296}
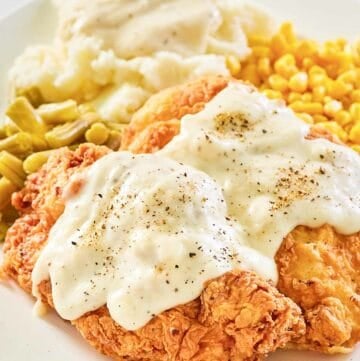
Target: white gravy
{"x": 145, "y": 231}
{"x": 273, "y": 179}
{"x": 142, "y": 236}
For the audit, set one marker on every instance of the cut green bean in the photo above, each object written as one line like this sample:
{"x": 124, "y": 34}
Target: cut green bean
{"x": 69, "y": 133}
{"x": 11, "y": 168}
{"x": 58, "y": 113}
{"x": 33, "y": 95}
{"x": 3, "y": 230}
{"x": 21, "y": 112}
{"x": 6, "y": 190}
{"x": 19, "y": 144}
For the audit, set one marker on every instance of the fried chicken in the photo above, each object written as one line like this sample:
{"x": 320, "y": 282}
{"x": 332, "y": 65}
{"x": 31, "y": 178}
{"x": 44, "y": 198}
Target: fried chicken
{"x": 318, "y": 268}
{"x": 238, "y": 316}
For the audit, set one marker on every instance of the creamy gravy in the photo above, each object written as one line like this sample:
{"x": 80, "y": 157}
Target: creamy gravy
{"x": 273, "y": 179}
{"x": 145, "y": 231}
{"x": 142, "y": 236}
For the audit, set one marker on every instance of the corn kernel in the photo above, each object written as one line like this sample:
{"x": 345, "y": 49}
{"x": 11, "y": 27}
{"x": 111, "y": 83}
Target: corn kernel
{"x": 336, "y": 129}
{"x": 233, "y": 64}
{"x": 254, "y": 40}
{"x": 316, "y": 69}
{"x": 349, "y": 76}
{"x": 261, "y": 51}
{"x": 332, "y": 107}
{"x": 354, "y": 111}
{"x": 307, "y": 63}
{"x": 343, "y": 117}
{"x": 286, "y": 66}
{"x": 355, "y": 96}
{"x": 307, "y": 118}
{"x": 307, "y": 97}
{"x": 277, "y": 82}
{"x": 299, "y": 82}
{"x": 279, "y": 45}
{"x": 249, "y": 73}
{"x": 317, "y": 79}
{"x": 319, "y": 93}
{"x": 287, "y": 30}
{"x": 272, "y": 94}
{"x": 319, "y": 118}
{"x": 354, "y": 134}
{"x": 310, "y": 108}
{"x": 264, "y": 67}
{"x": 293, "y": 97}
{"x": 338, "y": 89}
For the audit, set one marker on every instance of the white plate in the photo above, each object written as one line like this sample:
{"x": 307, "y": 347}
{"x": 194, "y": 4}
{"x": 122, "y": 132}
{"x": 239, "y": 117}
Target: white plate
{"x": 26, "y": 337}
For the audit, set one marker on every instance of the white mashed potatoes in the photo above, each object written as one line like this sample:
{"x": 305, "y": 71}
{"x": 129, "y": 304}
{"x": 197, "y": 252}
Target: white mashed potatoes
{"x": 116, "y": 53}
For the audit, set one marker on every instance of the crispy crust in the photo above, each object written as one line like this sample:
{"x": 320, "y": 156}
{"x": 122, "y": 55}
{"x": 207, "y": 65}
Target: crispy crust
{"x": 333, "y": 315}
{"x": 237, "y": 317}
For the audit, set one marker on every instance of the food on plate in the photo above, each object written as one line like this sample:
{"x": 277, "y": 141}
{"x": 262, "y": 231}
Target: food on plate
{"x": 241, "y": 174}
{"x": 308, "y": 260}
{"x": 86, "y": 70}
{"x": 237, "y": 316}
{"x": 154, "y": 195}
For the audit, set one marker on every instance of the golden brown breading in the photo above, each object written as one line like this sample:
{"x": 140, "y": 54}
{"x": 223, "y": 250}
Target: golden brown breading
{"x": 237, "y": 317}
{"x": 169, "y": 105}
{"x": 331, "y": 302}
{"x": 320, "y": 270}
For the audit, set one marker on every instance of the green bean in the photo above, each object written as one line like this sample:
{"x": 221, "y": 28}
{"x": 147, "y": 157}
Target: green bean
{"x": 11, "y": 168}
{"x": 69, "y": 133}
{"x": 21, "y": 112}
{"x": 6, "y": 190}
{"x": 33, "y": 94}
{"x": 19, "y": 144}
{"x": 3, "y": 230}
{"x": 58, "y": 113}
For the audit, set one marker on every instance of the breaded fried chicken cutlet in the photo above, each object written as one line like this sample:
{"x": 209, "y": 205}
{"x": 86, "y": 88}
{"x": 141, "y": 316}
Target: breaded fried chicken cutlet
{"x": 318, "y": 268}
{"x": 239, "y": 315}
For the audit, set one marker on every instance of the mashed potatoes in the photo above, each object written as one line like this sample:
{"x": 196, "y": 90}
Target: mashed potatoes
{"x": 116, "y": 53}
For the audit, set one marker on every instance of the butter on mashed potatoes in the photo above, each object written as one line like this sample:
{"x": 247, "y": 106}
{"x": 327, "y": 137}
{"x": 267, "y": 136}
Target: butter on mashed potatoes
{"x": 116, "y": 53}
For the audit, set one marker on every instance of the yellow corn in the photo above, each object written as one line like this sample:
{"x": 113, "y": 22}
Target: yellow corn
{"x": 36, "y": 160}
{"x": 57, "y": 113}
{"x": 233, "y": 64}
{"x": 310, "y": 108}
{"x": 97, "y": 134}
{"x": 354, "y": 134}
{"x": 277, "y": 82}
{"x": 332, "y": 107}
{"x": 299, "y": 82}
{"x": 355, "y": 112}
{"x": 321, "y": 83}
{"x": 336, "y": 129}
{"x": 307, "y": 118}
{"x": 356, "y": 148}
